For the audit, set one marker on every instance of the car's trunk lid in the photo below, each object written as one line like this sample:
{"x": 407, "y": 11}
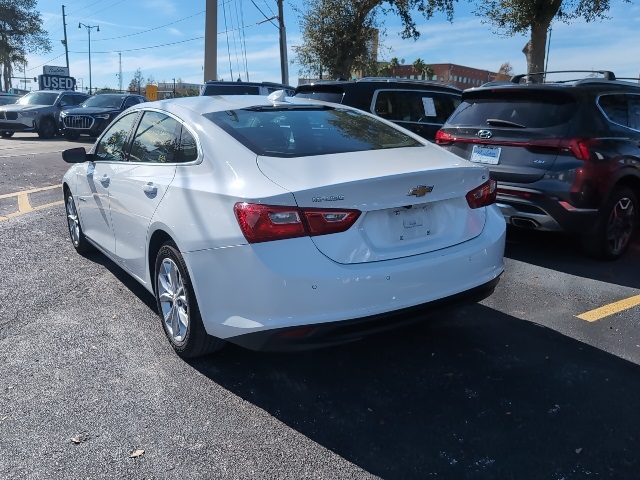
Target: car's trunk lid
{"x": 412, "y": 199}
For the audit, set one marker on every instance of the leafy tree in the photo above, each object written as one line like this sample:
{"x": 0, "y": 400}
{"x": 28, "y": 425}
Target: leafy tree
{"x": 512, "y": 17}
{"x": 20, "y": 33}
{"x": 419, "y": 66}
{"x": 505, "y": 72}
{"x": 135, "y": 86}
{"x": 393, "y": 64}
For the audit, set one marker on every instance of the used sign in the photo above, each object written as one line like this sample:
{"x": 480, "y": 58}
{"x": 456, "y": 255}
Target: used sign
{"x": 56, "y": 82}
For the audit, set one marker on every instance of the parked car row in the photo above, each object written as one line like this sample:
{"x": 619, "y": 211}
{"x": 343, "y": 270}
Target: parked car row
{"x": 49, "y": 113}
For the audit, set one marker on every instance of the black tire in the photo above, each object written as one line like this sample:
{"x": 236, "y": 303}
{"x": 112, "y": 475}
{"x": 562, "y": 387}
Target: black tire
{"x": 173, "y": 284}
{"x": 614, "y": 228}
{"x": 78, "y": 240}
{"x": 47, "y": 128}
{"x": 71, "y": 135}
{"x": 7, "y": 134}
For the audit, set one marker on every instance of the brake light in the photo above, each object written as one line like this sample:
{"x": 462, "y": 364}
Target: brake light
{"x": 264, "y": 223}
{"x": 483, "y": 195}
{"x": 444, "y": 138}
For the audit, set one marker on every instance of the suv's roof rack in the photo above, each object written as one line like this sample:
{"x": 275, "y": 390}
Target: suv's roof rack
{"x": 607, "y": 75}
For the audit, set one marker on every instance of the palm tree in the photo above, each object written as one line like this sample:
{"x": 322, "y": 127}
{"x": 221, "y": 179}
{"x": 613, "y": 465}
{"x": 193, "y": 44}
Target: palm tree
{"x": 429, "y": 72}
{"x": 419, "y": 66}
{"x": 393, "y": 64}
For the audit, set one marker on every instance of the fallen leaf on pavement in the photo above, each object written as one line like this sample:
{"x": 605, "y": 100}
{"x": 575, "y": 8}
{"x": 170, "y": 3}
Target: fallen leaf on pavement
{"x": 137, "y": 453}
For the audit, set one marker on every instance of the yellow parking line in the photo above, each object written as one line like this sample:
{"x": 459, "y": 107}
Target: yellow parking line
{"x": 615, "y": 307}
{"x": 24, "y": 206}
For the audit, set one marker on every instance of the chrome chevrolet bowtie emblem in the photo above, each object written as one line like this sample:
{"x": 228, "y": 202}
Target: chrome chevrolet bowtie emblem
{"x": 421, "y": 190}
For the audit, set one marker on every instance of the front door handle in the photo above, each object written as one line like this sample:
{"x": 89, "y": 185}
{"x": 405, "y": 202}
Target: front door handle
{"x": 150, "y": 188}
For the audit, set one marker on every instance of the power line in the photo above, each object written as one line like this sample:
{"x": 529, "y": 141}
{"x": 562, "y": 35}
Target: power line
{"x": 151, "y": 29}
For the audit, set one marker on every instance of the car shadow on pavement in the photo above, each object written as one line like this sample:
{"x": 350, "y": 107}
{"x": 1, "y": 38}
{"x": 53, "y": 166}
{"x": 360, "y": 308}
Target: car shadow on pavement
{"x": 559, "y": 252}
{"x": 476, "y": 394}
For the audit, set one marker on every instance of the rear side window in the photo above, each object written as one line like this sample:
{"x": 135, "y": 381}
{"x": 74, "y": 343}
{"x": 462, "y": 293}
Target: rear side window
{"x": 306, "y": 131}
{"x": 414, "y": 106}
{"x": 531, "y": 109}
{"x": 622, "y": 109}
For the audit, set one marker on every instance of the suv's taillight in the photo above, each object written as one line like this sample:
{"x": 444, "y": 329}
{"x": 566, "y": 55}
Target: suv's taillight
{"x": 444, "y": 138}
{"x": 578, "y": 147}
{"x": 483, "y": 195}
{"x": 264, "y": 223}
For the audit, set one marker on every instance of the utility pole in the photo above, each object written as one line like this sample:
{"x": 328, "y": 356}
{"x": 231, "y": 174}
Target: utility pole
{"x": 89, "y": 28}
{"x": 211, "y": 41}
{"x": 120, "y": 72}
{"x": 66, "y": 47}
{"x": 284, "y": 63}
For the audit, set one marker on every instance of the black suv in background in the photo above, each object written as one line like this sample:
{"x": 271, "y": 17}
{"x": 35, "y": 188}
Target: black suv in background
{"x": 95, "y": 113}
{"x": 212, "y": 87}
{"x": 419, "y": 106}
{"x": 565, "y": 154}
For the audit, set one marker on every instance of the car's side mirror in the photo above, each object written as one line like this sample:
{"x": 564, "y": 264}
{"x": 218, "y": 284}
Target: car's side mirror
{"x": 76, "y": 155}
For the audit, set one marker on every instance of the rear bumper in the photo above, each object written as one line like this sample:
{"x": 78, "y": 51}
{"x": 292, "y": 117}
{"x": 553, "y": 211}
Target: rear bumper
{"x": 336, "y": 333}
{"x": 545, "y": 214}
{"x": 259, "y": 289}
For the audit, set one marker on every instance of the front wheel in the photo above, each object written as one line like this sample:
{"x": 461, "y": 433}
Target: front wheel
{"x": 47, "y": 128}
{"x": 78, "y": 239}
{"x": 615, "y": 226}
{"x": 178, "y": 307}
{"x": 7, "y": 134}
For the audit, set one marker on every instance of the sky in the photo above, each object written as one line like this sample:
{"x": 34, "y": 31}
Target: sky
{"x": 165, "y": 40}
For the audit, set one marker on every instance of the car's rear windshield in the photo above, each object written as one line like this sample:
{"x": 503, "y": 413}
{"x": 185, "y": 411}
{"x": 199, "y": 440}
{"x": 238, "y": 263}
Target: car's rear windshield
{"x": 38, "y": 98}
{"x": 326, "y": 93}
{"x": 304, "y": 131}
{"x": 530, "y": 109}
{"x": 104, "y": 101}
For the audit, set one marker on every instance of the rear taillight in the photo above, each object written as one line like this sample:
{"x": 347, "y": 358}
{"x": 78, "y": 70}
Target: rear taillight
{"x": 483, "y": 195}
{"x": 578, "y": 147}
{"x": 444, "y": 138}
{"x": 264, "y": 223}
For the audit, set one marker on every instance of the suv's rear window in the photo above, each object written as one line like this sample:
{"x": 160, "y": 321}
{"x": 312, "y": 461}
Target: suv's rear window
{"x": 326, "y": 93}
{"x": 531, "y": 109}
{"x": 231, "y": 89}
{"x": 305, "y": 131}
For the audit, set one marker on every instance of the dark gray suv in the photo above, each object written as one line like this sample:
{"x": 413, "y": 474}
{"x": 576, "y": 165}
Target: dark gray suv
{"x": 38, "y": 112}
{"x": 566, "y": 154}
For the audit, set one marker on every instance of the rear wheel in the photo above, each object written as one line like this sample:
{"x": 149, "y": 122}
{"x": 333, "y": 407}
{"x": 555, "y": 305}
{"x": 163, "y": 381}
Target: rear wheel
{"x": 47, "y": 128}
{"x": 615, "y": 226}
{"x": 7, "y": 134}
{"x": 178, "y": 307}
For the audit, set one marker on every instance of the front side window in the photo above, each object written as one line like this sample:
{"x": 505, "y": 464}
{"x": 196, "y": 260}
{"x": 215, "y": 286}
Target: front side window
{"x": 111, "y": 146}
{"x": 299, "y": 131}
{"x": 156, "y": 139}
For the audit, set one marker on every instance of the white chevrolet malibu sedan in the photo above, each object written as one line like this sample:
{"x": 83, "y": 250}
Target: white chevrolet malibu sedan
{"x": 277, "y": 223}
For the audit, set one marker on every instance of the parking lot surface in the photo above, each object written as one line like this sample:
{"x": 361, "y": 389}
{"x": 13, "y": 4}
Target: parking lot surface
{"x": 519, "y": 386}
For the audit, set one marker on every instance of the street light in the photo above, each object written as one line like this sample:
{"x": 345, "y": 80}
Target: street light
{"x": 89, "y": 28}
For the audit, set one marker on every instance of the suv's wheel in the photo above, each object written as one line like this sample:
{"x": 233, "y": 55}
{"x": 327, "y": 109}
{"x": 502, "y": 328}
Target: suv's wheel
{"x": 71, "y": 135}
{"x": 47, "y": 128}
{"x": 7, "y": 134}
{"x": 78, "y": 239}
{"x": 178, "y": 307}
{"x": 615, "y": 226}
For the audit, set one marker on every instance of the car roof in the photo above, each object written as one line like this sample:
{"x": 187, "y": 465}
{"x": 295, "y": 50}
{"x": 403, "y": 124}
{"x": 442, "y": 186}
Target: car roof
{"x": 220, "y": 103}
{"x": 379, "y": 82}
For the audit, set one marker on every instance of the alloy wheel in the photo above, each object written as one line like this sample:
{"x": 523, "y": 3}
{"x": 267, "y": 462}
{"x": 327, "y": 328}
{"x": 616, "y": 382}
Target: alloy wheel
{"x": 620, "y": 225}
{"x": 173, "y": 300}
{"x": 72, "y": 220}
